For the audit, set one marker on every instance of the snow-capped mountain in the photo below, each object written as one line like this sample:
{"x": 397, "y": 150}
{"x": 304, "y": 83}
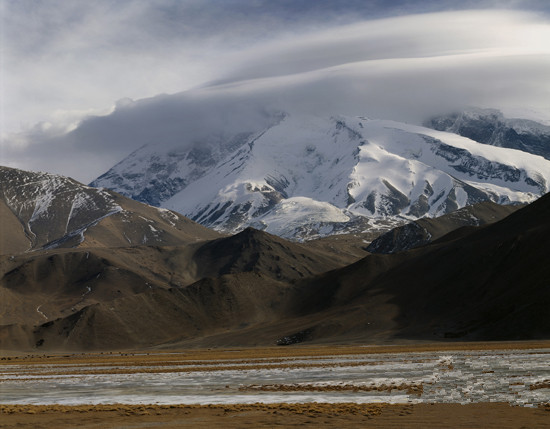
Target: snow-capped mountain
{"x": 308, "y": 176}
{"x": 40, "y": 200}
{"x": 489, "y": 126}
{"x": 41, "y": 210}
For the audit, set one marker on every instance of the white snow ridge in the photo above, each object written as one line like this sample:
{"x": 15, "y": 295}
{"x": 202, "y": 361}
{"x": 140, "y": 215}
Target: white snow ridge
{"x": 308, "y": 176}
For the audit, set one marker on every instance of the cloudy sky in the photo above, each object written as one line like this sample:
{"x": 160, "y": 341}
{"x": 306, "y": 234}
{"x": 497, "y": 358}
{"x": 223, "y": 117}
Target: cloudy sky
{"x": 85, "y": 83}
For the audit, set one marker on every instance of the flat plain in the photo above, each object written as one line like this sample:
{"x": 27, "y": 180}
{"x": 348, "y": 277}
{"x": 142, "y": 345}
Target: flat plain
{"x": 428, "y": 385}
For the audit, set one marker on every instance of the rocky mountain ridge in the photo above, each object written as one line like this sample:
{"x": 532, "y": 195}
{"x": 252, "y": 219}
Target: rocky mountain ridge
{"x": 490, "y": 126}
{"x": 46, "y": 211}
{"x": 426, "y": 230}
{"x": 305, "y": 177}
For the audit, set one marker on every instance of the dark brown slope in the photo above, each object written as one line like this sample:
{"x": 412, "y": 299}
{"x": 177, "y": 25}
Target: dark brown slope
{"x": 157, "y": 316}
{"x": 111, "y": 298}
{"x": 426, "y": 230}
{"x": 43, "y": 286}
{"x": 488, "y": 283}
{"x": 12, "y": 234}
{"x": 352, "y": 245}
{"x": 257, "y": 251}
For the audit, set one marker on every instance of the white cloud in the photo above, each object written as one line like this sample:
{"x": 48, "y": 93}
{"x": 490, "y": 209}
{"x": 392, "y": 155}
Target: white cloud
{"x": 403, "y": 68}
{"x": 416, "y": 36}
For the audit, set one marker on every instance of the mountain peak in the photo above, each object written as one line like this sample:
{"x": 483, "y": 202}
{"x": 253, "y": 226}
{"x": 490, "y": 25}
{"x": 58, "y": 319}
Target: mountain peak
{"x": 305, "y": 176}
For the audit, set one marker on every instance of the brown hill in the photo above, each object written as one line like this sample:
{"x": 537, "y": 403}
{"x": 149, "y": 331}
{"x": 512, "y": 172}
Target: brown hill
{"x": 257, "y": 251}
{"x": 41, "y": 211}
{"x": 487, "y": 283}
{"x": 423, "y": 231}
{"x": 159, "y": 316}
{"x": 87, "y": 280}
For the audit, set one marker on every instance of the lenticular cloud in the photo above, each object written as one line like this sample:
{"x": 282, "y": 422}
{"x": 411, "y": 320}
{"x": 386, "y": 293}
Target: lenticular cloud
{"x": 406, "y": 69}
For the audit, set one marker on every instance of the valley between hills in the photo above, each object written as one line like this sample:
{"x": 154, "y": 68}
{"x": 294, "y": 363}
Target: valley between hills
{"x": 87, "y": 269}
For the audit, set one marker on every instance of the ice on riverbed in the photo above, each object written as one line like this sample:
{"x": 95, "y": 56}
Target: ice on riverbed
{"x": 459, "y": 377}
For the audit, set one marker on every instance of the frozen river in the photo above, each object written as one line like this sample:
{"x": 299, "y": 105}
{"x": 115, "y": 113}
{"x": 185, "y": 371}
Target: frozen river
{"x": 519, "y": 377}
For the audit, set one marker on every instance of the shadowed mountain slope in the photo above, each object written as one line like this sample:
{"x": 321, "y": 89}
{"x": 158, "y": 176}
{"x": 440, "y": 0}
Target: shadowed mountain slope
{"x": 476, "y": 283}
{"x": 159, "y": 316}
{"x": 425, "y": 230}
{"x": 253, "y": 250}
{"x": 488, "y": 283}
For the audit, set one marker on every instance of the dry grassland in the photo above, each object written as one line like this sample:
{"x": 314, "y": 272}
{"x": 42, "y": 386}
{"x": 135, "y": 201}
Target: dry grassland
{"x": 348, "y": 415}
{"x": 488, "y": 415}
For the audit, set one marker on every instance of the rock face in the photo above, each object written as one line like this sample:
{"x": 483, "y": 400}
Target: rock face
{"x": 50, "y": 207}
{"x": 304, "y": 177}
{"x": 489, "y": 126}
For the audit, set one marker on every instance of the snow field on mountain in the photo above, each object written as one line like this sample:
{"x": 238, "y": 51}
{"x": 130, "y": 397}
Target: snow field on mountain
{"x": 293, "y": 213}
{"x": 406, "y": 141}
{"x": 313, "y": 171}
